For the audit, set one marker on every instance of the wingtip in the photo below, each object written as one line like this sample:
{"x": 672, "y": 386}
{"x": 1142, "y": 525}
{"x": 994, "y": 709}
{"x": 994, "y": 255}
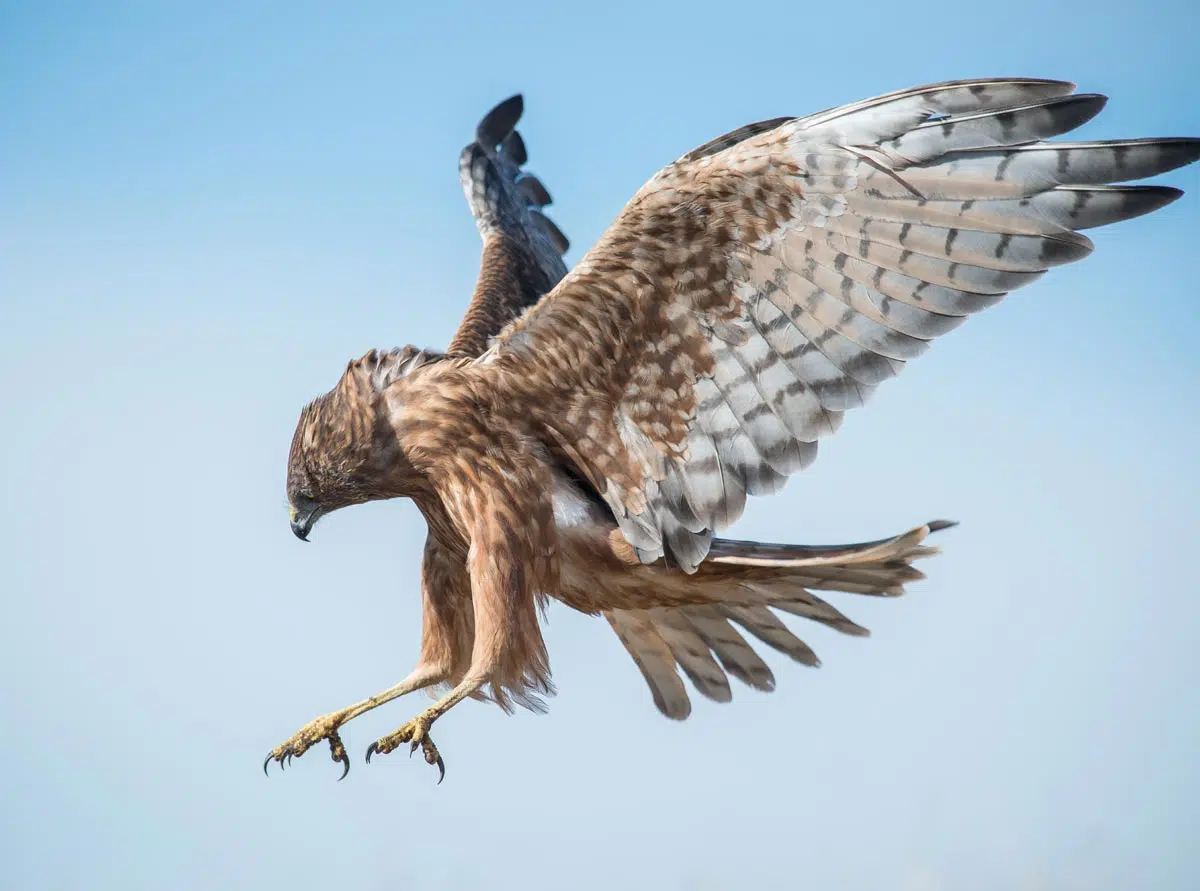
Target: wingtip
{"x": 1168, "y": 195}
{"x": 1088, "y": 104}
{"x": 513, "y": 148}
{"x": 1154, "y": 198}
{"x": 498, "y": 123}
{"x": 1178, "y": 151}
{"x": 1192, "y": 149}
{"x": 551, "y": 231}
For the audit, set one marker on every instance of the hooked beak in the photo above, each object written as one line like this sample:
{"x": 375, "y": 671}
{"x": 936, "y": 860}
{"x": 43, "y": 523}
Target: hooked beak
{"x": 302, "y": 523}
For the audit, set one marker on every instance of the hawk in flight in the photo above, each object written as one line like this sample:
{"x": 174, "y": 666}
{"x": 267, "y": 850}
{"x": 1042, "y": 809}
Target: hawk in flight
{"x": 587, "y": 433}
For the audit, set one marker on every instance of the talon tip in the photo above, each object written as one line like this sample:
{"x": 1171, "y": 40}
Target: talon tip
{"x": 267, "y": 763}
{"x": 441, "y": 766}
{"x": 370, "y": 751}
{"x": 345, "y": 770}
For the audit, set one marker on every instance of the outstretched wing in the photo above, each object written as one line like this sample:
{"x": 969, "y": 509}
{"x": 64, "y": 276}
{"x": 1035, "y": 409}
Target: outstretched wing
{"x": 522, "y": 248}
{"x": 763, "y": 284}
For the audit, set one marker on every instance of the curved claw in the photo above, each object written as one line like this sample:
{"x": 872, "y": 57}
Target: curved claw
{"x": 270, "y": 758}
{"x": 345, "y": 769}
{"x": 371, "y": 750}
{"x": 441, "y": 766}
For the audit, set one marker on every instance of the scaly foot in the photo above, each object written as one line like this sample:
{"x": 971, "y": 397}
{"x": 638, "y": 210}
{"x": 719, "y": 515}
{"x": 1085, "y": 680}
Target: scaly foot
{"x": 325, "y": 727}
{"x": 416, "y": 733}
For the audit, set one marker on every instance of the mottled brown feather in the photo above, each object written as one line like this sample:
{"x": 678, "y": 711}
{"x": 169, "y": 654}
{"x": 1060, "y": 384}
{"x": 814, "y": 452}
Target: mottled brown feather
{"x": 585, "y": 435}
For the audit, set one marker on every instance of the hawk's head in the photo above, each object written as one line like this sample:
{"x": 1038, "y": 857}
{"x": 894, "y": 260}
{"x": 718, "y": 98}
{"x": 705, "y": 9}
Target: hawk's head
{"x": 344, "y": 450}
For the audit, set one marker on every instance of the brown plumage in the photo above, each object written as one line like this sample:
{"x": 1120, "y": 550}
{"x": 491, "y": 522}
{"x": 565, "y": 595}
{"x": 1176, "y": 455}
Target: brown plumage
{"x": 587, "y": 433}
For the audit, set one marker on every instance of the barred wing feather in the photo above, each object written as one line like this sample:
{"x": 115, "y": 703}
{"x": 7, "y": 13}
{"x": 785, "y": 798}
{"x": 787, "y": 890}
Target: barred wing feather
{"x": 765, "y": 283}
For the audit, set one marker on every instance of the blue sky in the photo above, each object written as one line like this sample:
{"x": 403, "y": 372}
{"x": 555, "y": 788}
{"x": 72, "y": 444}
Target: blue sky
{"x": 206, "y": 209}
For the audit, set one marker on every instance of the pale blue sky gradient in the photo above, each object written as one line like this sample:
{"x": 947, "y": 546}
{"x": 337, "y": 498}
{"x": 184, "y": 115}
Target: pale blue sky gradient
{"x": 206, "y": 209}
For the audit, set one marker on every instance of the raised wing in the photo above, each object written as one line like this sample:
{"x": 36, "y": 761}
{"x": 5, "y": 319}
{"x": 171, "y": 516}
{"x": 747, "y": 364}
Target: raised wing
{"x": 522, "y": 248}
{"x": 765, "y": 283}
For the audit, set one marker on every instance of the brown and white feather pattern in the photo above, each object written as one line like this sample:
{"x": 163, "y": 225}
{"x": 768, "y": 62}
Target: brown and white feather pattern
{"x": 759, "y": 287}
{"x": 744, "y": 582}
{"x": 746, "y": 297}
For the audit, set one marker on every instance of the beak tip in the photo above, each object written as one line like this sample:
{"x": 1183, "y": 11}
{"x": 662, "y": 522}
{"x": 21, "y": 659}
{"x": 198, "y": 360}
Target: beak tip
{"x": 302, "y": 523}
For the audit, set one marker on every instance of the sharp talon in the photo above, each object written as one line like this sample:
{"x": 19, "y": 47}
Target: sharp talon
{"x": 441, "y": 766}
{"x": 371, "y": 750}
{"x": 325, "y": 728}
{"x": 412, "y": 748}
{"x": 345, "y": 769}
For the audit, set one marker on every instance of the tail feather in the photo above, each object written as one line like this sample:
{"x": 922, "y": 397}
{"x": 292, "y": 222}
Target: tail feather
{"x": 769, "y": 628}
{"x": 744, "y": 582}
{"x": 760, "y": 553}
{"x": 737, "y": 657}
{"x": 693, "y": 653}
{"x": 807, "y": 605}
{"x": 653, "y": 658}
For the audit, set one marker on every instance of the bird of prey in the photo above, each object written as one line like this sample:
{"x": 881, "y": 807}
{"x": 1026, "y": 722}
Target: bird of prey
{"x": 587, "y": 433}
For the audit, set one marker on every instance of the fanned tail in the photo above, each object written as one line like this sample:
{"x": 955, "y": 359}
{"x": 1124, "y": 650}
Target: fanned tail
{"x": 745, "y": 582}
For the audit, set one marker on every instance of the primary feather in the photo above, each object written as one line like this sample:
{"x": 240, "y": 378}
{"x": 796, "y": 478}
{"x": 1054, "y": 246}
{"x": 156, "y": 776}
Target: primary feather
{"x": 522, "y": 256}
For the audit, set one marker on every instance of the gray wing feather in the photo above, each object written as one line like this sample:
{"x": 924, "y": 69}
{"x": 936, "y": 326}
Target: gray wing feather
{"x": 916, "y": 209}
{"x": 506, "y": 201}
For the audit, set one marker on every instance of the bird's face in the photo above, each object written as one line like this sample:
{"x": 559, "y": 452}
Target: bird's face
{"x": 303, "y": 512}
{"x": 326, "y": 470}
{"x": 307, "y": 499}
{"x": 344, "y": 450}
{"x": 320, "y": 482}
{"x": 311, "y": 499}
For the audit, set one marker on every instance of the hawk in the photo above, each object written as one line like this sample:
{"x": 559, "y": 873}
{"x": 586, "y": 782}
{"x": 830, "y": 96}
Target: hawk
{"x": 588, "y": 433}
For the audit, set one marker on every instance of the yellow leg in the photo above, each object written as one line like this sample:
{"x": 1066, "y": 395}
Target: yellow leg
{"x": 326, "y": 726}
{"x": 416, "y": 731}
